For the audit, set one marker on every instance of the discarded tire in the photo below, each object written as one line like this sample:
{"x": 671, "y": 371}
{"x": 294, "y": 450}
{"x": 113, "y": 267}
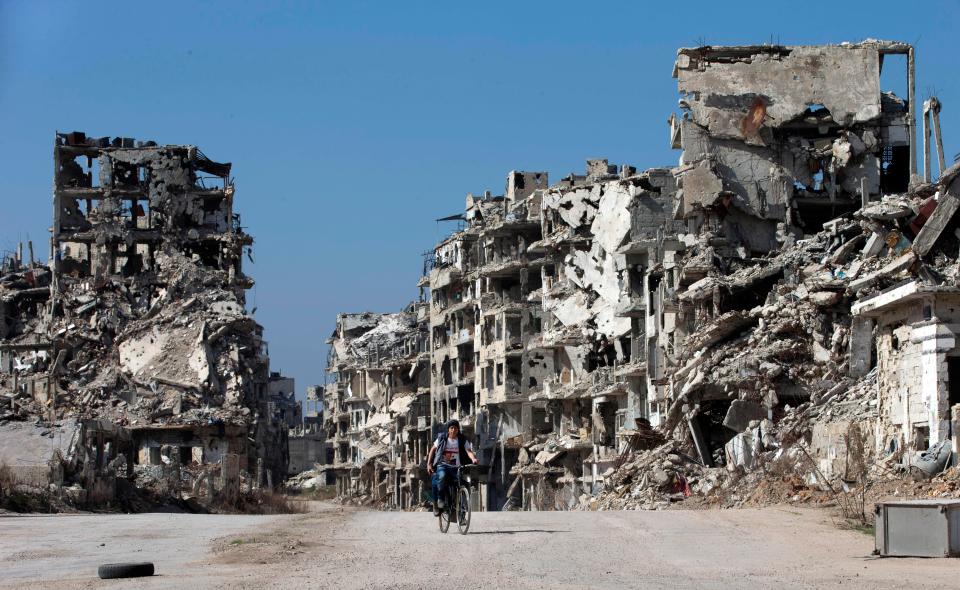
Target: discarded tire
{"x": 109, "y": 571}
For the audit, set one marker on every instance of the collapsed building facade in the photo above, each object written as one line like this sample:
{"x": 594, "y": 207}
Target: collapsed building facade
{"x": 131, "y": 353}
{"x": 376, "y": 410}
{"x": 625, "y": 335}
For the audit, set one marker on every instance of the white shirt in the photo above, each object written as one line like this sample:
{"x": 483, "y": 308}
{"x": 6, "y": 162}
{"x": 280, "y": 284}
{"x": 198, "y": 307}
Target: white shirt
{"x": 451, "y": 451}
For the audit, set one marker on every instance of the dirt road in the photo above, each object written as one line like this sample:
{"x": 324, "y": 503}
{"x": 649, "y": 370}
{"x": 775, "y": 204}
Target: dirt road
{"x": 773, "y": 547}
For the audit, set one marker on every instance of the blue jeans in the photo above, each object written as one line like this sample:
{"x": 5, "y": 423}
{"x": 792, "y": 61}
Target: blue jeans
{"x": 442, "y": 478}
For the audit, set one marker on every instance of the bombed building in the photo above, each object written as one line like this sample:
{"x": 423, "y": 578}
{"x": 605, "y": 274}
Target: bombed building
{"x": 130, "y": 355}
{"x": 376, "y": 411}
{"x": 632, "y": 337}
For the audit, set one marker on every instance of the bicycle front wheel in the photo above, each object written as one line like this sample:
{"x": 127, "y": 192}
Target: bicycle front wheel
{"x": 463, "y": 510}
{"x": 444, "y": 519}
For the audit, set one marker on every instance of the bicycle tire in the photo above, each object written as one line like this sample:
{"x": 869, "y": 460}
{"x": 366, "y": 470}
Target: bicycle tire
{"x": 443, "y": 519}
{"x": 463, "y": 510}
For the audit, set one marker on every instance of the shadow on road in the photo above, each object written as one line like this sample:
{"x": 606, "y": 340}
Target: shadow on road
{"x": 516, "y": 532}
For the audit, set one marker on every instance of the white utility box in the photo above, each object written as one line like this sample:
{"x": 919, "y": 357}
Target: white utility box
{"x": 918, "y": 528}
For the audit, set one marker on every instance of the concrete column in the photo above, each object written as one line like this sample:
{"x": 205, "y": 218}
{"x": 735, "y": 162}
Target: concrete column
{"x": 955, "y": 429}
{"x": 935, "y": 340}
{"x": 912, "y": 110}
{"x": 209, "y": 481}
{"x": 861, "y": 345}
{"x": 926, "y": 141}
{"x": 700, "y": 443}
{"x": 230, "y": 478}
{"x": 935, "y": 114}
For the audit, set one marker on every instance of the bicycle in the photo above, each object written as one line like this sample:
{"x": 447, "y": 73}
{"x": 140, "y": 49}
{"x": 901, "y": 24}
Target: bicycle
{"x": 459, "y": 507}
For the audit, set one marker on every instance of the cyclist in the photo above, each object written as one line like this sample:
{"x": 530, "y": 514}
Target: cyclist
{"x": 448, "y": 453}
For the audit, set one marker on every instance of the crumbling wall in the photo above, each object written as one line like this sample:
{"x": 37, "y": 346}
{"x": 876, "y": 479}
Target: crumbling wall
{"x": 720, "y": 83}
{"x": 606, "y": 217}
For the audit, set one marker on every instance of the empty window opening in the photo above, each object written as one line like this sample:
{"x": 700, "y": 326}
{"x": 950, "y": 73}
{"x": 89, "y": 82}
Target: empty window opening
{"x": 445, "y": 372}
{"x": 514, "y": 374}
{"x": 513, "y": 330}
{"x": 895, "y": 169}
{"x": 465, "y": 399}
{"x": 893, "y": 74}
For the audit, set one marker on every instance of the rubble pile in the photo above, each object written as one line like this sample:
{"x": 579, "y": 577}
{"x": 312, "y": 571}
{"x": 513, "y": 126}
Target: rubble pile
{"x": 304, "y": 481}
{"x": 137, "y": 330}
{"x": 202, "y": 345}
{"x": 654, "y": 480}
{"x": 792, "y": 353}
{"x": 385, "y": 338}
{"x": 766, "y": 463}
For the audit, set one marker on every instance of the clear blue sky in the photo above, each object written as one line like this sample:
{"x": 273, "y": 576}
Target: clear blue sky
{"x": 353, "y": 125}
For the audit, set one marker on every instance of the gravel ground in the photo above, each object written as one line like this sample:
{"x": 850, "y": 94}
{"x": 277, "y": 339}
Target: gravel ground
{"x": 330, "y": 548}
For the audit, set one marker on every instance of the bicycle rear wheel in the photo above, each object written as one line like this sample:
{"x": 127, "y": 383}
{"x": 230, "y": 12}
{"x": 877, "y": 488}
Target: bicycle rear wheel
{"x": 463, "y": 510}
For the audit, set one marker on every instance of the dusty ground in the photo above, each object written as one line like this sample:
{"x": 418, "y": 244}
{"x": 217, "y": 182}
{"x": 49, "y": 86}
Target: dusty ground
{"x": 64, "y": 550}
{"x": 749, "y": 548}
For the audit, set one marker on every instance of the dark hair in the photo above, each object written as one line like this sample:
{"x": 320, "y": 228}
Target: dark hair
{"x": 453, "y": 423}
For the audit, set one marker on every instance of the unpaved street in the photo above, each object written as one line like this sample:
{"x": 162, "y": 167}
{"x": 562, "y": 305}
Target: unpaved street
{"x": 773, "y": 547}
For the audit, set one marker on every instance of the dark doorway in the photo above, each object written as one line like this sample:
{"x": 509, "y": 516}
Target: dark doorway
{"x": 953, "y": 380}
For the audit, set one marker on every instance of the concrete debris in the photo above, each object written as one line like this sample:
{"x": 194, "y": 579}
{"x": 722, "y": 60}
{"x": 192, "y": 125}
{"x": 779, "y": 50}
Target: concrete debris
{"x": 775, "y": 314}
{"x": 947, "y": 206}
{"x": 136, "y": 333}
{"x": 741, "y": 413}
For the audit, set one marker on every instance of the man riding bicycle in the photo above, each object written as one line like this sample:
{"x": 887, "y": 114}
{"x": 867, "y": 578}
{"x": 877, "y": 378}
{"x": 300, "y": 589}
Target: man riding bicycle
{"x": 448, "y": 453}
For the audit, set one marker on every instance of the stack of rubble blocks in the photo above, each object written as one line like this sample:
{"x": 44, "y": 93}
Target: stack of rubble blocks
{"x": 772, "y": 319}
{"x": 130, "y": 356}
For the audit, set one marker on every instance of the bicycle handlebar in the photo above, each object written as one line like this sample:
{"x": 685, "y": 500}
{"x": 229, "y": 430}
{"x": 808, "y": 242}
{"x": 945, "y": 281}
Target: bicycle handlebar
{"x": 472, "y": 466}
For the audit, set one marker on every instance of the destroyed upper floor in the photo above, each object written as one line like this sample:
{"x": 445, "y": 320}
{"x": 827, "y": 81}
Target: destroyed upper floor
{"x": 117, "y": 202}
{"x": 366, "y": 340}
{"x": 791, "y": 135}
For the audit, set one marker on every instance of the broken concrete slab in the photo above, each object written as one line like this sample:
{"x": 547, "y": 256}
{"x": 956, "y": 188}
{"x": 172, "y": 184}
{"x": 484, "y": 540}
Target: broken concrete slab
{"x": 896, "y": 266}
{"x": 724, "y": 326}
{"x": 741, "y": 413}
{"x": 932, "y": 230}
